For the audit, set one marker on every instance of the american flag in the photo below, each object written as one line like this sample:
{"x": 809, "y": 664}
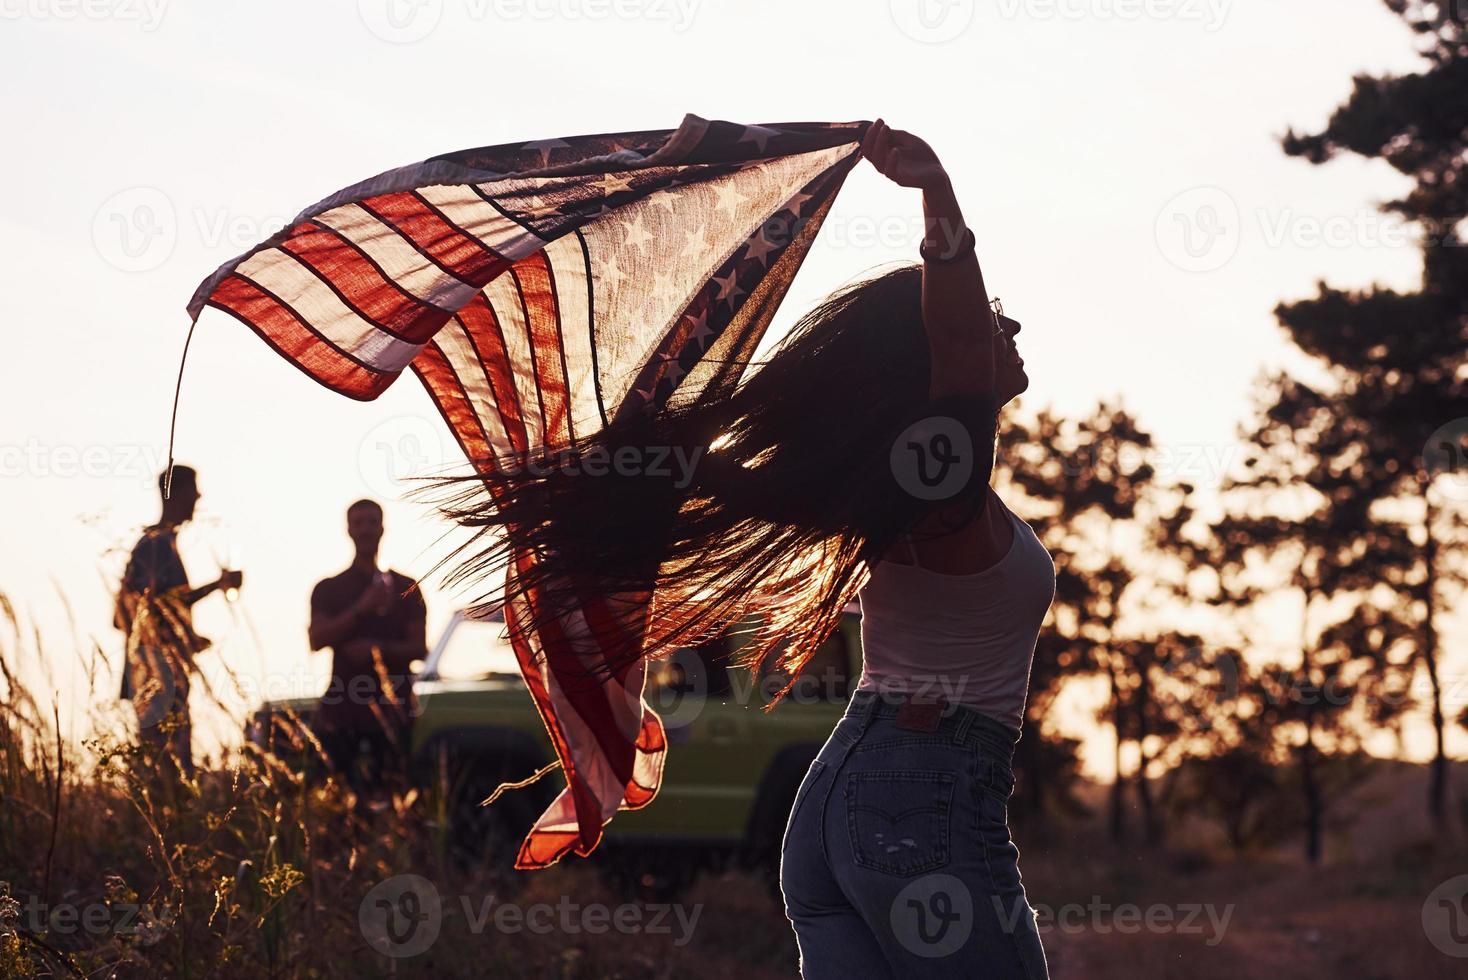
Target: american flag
{"x": 538, "y": 290}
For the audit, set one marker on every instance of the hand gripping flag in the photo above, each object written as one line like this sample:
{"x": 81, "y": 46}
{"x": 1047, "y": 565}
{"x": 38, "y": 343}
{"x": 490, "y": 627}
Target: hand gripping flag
{"x": 538, "y": 290}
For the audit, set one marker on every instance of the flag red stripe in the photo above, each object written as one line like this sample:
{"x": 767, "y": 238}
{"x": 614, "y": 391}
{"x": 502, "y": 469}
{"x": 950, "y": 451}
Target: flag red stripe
{"x": 544, "y": 848}
{"x": 650, "y": 741}
{"x": 534, "y": 277}
{"x": 283, "y": 329}
{"x": 361, "y": 285}
{"x": 488, "y": 338}
{"x": 556, "y": 649}
{"x": 597, "y": 707}
{"x": 446, "y": 244}
{"x": 437, "y": 375}
{"x": 586, "y": 694}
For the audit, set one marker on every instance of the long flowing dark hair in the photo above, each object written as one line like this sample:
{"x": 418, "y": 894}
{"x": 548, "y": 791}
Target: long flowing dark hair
{"x": 789, "y": 502}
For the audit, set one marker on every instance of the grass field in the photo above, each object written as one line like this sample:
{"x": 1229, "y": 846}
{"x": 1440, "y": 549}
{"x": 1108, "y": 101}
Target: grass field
{"x": 108, "y": 871}
{"x": 255, "y": 875}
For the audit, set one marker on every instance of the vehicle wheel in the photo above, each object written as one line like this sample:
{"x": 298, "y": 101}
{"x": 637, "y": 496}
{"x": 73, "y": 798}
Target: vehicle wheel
{"x": 766, "y": 834}
{"x": 489, "y": 835}
{"x": 486, "y": 837}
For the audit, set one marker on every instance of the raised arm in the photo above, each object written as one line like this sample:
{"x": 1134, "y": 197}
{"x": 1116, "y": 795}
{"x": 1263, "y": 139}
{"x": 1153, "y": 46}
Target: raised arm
{"x": 955, "y": 303}
{"x": 227, "y": 579}
{"x": 964, "y": 534}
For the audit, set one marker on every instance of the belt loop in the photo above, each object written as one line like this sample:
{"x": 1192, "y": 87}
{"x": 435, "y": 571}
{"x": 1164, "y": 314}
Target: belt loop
{"x": 965, "y": 719}
{"x": 869, "y": 710}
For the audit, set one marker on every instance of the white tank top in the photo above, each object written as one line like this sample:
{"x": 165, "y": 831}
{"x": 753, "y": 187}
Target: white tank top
{"x": 969, "y": 638}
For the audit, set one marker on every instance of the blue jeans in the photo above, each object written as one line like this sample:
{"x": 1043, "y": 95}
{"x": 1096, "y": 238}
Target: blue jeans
{"x": 897, "y": 858}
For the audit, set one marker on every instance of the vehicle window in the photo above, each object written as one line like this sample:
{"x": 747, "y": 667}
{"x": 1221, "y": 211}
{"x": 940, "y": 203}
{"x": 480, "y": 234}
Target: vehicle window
{"x": 476, "y": 649}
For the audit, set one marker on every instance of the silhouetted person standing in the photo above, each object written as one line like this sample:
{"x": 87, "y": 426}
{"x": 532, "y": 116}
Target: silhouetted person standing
{"x": 375, "y": 623}
{"x": 155, "y": 611}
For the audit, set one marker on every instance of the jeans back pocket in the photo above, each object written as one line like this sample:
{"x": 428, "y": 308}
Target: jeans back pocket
{"x": 899, "y": 819}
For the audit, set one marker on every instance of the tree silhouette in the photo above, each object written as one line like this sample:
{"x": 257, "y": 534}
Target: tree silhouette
{"x": 1085, "y": 478}
{"x": 1160, "y": 651}
{"x": 1047, "y": 766}
{"x": 1298, "y": 518}
{"x": 1157, "y": 709}
{"x": 1235, "y": 765}
{"x": 1398, "y": 359}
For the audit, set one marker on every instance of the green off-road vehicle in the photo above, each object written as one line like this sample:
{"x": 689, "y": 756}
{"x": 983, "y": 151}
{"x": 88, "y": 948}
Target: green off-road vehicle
{"x": 732, "y": 768}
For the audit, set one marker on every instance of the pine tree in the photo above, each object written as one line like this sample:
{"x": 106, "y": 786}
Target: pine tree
{"x": 1398, "y": 359}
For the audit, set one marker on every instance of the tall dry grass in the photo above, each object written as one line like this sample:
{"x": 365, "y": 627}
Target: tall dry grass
{"x": 109, "y": 868}
{"x": 112, "y": 865}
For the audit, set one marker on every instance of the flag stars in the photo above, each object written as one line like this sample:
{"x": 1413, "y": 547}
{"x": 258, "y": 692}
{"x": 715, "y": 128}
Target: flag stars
{"x": 728, "y": 198}
{"x": 695, "y": 239}
{"x": 612, "y": 184}
{"x": 759, "y": 247}
{"x": 565, "y": 201}
{"x": 758, "y": 135}
{"x": 611, "y": 274}
{"x": 545, "y": 147}
{"x": 701, "y": 328}
{"x": 728, "y": 287}
{"x": 637, "y": 235}
{"x": 797, "y": 202}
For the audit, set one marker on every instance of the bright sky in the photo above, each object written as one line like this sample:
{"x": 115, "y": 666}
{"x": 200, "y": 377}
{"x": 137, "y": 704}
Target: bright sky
{"x": 1118, "y": 159}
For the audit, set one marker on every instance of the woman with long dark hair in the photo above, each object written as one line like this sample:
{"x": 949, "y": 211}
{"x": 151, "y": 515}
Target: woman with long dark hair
{"x": 855, "y": 461}
{"x": 898, "y": 849}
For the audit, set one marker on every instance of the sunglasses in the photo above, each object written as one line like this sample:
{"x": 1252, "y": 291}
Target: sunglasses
{"x": 1002, "y": 323}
